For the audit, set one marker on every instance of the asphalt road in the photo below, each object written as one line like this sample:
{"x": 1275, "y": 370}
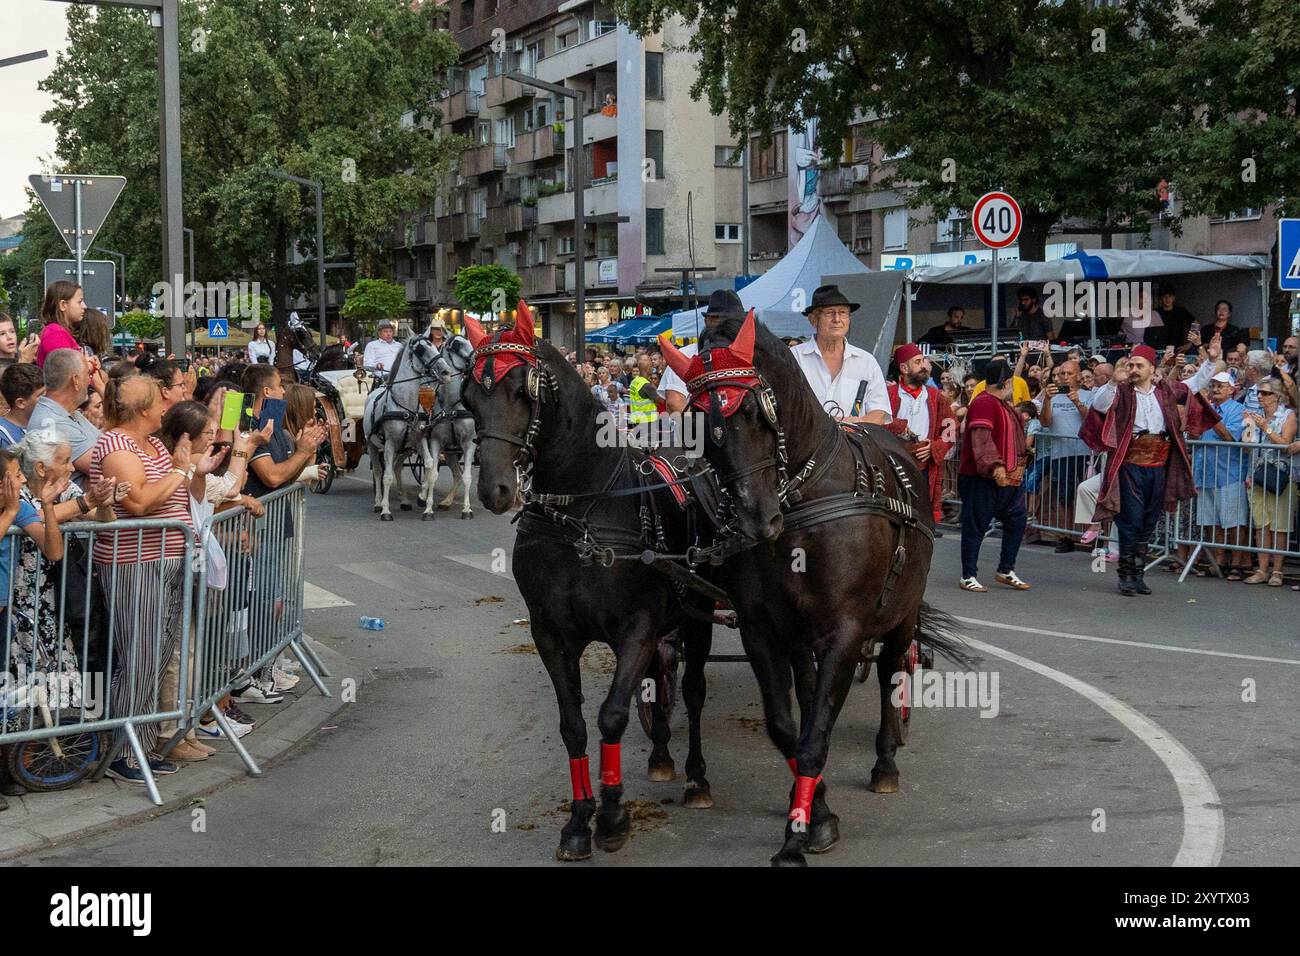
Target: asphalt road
{"x": 1121, "y": 736}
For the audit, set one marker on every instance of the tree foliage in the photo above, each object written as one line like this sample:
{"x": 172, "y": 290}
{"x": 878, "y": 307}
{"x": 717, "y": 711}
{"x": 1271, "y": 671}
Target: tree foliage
{"x": 489, "y": 288}
{"x": 314, "y": 88}
{"x": 373, "y": 299}
{"x": 142, "y": 325}
{"x": 1066, "y": 105}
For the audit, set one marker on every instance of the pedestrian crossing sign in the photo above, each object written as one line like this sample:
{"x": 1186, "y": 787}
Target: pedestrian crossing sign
{"x": 1288, "y": 255}
{"x": 218, "y": 329}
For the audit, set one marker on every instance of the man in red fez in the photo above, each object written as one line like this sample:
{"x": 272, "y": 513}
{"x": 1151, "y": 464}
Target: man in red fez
{"x": 1134, "y": 418}
{"x": 922, "y": 418}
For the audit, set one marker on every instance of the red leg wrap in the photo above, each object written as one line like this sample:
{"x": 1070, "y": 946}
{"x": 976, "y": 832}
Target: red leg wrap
{"x": 801, "y": 808}
{"x": 580, "y": 777}
{"x": 611, "y": 760}
{"x": 794, "y": 766}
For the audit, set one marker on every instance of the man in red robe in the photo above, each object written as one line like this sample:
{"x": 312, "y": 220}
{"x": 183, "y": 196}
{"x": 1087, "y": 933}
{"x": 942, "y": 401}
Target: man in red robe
{"x": 1134, "y": 418}
{"x": 922, "y": 418}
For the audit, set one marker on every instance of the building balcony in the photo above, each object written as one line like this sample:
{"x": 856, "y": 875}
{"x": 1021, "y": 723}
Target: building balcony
{"x": 836, "y": 184}
{"x": 597, "y": 52}
{"x": 515, "y": 217}
{"x": 483, "y": 159}
{"x": 452, "y": 228}
{"x": 600, "y": 273}
{"x": 498, "y": 91}
{"x": 595, "y": 126}
{"x": 540, "y": 144}
{"x": 460, "y": 105}
{"x": 540, "y": 280}
{"x": 601, "y": 198}
{"x": 957, "y": 245}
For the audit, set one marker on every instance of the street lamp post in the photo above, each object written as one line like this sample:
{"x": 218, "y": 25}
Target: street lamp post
{"x": 579, "y": 207}
{"x": 24, "y": 58}
{"x": 320, "y": 241}
{"x": 190, "y": 319}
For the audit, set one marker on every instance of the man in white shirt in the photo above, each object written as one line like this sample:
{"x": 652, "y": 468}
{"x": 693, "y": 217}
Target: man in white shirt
{"x": 723, "y": 304}
{"x": 847, "y": 380}
{"x": 381, "y": 353}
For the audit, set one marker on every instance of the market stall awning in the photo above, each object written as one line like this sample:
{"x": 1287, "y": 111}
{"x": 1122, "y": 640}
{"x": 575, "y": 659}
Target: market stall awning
{"x": 630, "y": 330}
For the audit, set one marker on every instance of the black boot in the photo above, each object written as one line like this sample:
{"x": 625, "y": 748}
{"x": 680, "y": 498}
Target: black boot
{"x": 1139, "y": 569}
{"x": 1125, "y": 570}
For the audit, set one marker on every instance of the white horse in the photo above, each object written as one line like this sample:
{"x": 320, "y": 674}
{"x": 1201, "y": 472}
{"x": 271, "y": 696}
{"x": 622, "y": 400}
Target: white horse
{"x": 394, "y": 424}
{"x": 452, "y": 423}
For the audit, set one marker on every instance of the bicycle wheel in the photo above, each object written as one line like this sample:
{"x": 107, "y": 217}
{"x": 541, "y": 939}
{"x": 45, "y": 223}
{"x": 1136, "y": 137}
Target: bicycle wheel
{"x": 40, "y": 768}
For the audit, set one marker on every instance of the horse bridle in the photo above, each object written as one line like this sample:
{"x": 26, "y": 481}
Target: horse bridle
{"x": 753, "y": 382}
{"x": 538, "y": 380}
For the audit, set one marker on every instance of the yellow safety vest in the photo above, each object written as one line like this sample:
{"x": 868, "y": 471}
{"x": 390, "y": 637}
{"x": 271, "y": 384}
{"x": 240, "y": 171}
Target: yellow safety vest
{"x": 642, "y": 409}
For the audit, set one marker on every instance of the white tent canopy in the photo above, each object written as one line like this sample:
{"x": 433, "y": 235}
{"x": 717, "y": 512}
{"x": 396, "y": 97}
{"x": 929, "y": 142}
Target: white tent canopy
{"x": 788, "y": 283}
{"x": 1087, "y": 265}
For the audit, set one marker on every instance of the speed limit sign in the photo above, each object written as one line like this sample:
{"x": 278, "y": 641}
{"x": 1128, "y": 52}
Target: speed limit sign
{"x": 996, "y": 219}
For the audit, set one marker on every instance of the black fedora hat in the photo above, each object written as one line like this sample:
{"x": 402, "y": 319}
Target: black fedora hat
{"x": 829, "y": 295}
{"x": 724, "y": 304}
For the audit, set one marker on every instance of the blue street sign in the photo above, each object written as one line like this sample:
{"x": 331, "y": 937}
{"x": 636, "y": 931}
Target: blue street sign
{"x": 218, "y": 329}
{"x": 1288, "y": 255}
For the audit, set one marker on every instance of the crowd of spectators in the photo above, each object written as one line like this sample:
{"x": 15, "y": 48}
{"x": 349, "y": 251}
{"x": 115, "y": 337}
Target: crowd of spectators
{"x": 89, "y": 435}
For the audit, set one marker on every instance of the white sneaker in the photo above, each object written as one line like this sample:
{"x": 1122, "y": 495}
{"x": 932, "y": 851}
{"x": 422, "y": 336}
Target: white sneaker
{"x": 214, "y": 729}
{"x": 283, "y": 681}
{"x": 971, "y": 584}
{"x": 1011, "y": 581}
{"x": 258, "y": 692}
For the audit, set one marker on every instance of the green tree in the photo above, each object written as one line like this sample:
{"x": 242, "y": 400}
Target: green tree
{"x": 246, "y": 308}
{"x": 489, "y": 288}
{"x": 142, "y": 325}
{"x": 1058, "y": 103}
{"x": 373, "y": 299}
{"x": 323, "y": 89}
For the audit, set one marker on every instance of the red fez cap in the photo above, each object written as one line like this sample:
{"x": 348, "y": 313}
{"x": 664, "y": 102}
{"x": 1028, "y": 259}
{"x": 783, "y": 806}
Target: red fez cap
{"x": 1146, "y": 352}
{"x": 905, "y": 353}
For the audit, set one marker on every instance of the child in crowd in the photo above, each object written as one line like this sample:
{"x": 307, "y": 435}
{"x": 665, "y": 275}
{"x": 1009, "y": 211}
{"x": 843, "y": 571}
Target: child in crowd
{"x": 1029, "y": 417}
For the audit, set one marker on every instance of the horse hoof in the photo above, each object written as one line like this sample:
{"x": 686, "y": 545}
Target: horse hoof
{"x": 789, "y": 858}
{"x": 574, "y": 848}
{"x": 698, "y": 796}
{"x": 406, "y": 507}
{"x": 466, "y": 514}
{"x": 824, "y": 835}
{"x": 612, "y": 837}
{"x": 385, "y": 517}
{"x": 661, "y": 772}
{"x": 883, "y": 782}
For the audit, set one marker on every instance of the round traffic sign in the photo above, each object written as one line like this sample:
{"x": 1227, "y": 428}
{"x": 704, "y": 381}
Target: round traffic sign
{"x": 996, "y": 220}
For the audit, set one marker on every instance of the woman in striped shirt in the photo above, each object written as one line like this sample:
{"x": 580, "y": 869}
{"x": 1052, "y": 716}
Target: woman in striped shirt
{"x": 144, "y": 571}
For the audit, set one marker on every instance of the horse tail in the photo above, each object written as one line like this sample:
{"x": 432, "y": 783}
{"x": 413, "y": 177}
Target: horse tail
{"x": 939, "y": 629}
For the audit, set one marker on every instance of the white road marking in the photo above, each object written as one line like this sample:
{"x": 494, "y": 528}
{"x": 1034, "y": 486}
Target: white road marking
{"x": 1202, "y": 843}
{"x": 481, "y": 562}
{"x": 314, "y": 598}
{"x": 1111, "y": 640}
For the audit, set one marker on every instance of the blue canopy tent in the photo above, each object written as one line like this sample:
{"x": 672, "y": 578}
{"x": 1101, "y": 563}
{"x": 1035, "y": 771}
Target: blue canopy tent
{"x": 631, "y": 331}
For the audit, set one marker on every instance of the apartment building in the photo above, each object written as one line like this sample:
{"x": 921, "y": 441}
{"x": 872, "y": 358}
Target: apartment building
{"x": 650, "y": 153}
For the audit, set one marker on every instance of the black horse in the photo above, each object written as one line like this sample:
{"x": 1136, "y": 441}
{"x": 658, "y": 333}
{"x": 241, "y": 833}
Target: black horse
{"x": 594, "y": 511}
{"x": 842, "y": 537}
{"x": 332, "y": 358}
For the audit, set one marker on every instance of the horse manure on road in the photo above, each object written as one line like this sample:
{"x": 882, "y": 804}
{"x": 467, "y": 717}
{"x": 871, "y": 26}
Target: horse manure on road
{"x": 599, "y": 658}
{"x": 519, "y": 649}
{"x": 489, "y": 599}
{"x": 749, "y": 723}
{"x": 646, "y": 814}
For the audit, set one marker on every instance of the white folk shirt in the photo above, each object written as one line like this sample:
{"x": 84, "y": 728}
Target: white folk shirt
{"x": 670, "y": 381}
{"x": 1147, "y": 415}
{"x": 380, "y": 354}
{"x": 837, "y": 395}
{"x": 914, "y": 411}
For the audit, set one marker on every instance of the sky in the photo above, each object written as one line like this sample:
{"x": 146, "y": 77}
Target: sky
{"x": 26, "y": 26}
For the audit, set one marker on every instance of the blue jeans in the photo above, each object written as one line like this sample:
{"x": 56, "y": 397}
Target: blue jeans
{"x": 982, "y": 501}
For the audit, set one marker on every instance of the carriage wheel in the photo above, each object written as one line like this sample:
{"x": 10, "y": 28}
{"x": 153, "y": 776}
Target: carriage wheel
{"x": 41, "y": 769}
{"x": 325, "y": 456}
{"x": 905, "y": 711}
{"x": 665, "y": 691}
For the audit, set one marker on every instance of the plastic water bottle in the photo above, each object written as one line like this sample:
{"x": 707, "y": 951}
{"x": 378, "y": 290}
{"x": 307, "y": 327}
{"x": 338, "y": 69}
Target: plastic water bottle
{"x": 372, "y": 623}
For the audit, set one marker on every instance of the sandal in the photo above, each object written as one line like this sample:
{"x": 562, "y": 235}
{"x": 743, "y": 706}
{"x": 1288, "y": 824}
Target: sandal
{"x": 1275, "y": 579}
{"x": 1234, "y": 574}
{"x": 1259, "y": 577}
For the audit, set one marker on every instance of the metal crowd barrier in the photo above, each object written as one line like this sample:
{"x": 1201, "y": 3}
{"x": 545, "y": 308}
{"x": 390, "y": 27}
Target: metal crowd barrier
{"x": 58, "y": 664}
{"x": 257, "y": 615}
{"x": 1061, "y": 491}
{"x": 54, "y": 689}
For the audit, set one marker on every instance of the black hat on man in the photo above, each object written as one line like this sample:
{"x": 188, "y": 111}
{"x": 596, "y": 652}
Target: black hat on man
{"x": 829, "y": 295}
{"x": 724, "y": 304}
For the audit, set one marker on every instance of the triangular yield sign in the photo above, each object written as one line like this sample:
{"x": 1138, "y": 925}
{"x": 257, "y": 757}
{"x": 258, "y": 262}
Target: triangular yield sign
{"x": 58, "y": 194}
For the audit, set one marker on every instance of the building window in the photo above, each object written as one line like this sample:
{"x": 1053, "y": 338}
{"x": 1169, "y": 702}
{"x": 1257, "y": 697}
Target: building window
{"x": 654, "y": 150}
{"x": 566, "y": 245}
{"x": 896, "y": 229}
{"x": 654, "y": 232}
{"x": 952, "y": 229}
{"x": 722, "y": 156}
{"x": 566, "y": 40}
{"x": 532, "y": 53}
{"x": 466, "y": 13}
{"x": 726, "y": 232}
{"x": 654, "y": 76}
{"x": 767, "y": 163}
